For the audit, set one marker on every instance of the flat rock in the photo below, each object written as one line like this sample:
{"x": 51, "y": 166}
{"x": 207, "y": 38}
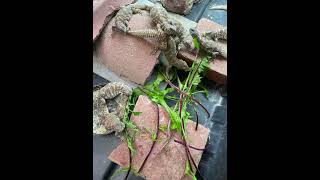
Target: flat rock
{"x": 217, "y": 68}
{"x": 160, "y": 164}
{"x": 127, "y": 56}
{"x": 102, "y": 13}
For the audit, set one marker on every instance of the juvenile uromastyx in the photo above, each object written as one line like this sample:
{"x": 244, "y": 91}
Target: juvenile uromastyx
{"x": 169, "y": 32}
{"x": 105, "y": 122}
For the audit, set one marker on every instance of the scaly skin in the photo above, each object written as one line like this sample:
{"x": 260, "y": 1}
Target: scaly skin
{"x": 209, "y": 44}
{"x": 125, "y": 13}
{"x": 160, "y": 18}
{"x": 111, "y": 90}
{"x": 152, "y": 33}
{"x": 171, "y": 56}
{"x": 159, "y": 15}
{"x": 147, "y": 33}
{"x": 103, "y": 121}
{"x": 170, "y": 32}
{"x": 214, "y": 46}
{"x": 220, "y": 34}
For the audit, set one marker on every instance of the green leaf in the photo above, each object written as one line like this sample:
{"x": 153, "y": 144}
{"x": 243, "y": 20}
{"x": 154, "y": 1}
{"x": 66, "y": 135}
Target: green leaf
{"x": 194, "y": 177}
{"x": 196, "y": 80}
{"x": 196, "y": 43}
{"x": 137, "y": 113}
{"x": 119, "y": 171}
{"x": 187, "y": 170}
{"x": 205, "y": 90}
{"x": 153, "y": 136}
{"x": 131, "y": 144}
{"x": 180, "y": 83}
{"x": 172, "y": 98}
{"x": 204, "y": 66}
{"x": 137, "y": 92}
{"x": 168, "y": 90}
{"x": 163, "y": 128}
{"x": 131, "y": 125}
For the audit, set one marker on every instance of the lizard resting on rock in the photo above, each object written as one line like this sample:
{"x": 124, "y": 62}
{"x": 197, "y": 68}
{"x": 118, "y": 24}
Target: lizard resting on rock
{"x": 220, "y": 34}
{"x": 209, "y": 41}
{"x": 178, "y": 6}
{"x": 169, "y": 32}
{"x": 171, "y": 56}
{"x": 125, "y": 13}
{"x": 105, "y": 122}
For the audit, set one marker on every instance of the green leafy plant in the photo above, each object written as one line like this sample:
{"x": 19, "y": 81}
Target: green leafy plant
{"x": 130, "y": 128}
{"x": 153, "y": 136}
{"x": 136, "y": 113}
{"x": 189, "y": 172}
{"x": 178, "y": 113}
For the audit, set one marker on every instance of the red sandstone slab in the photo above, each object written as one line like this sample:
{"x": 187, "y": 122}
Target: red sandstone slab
{"x": 102, "y": 13}
{"x": 163, "y": 163}
{"x": 127, "y": 56}
{"x": 218, "y": 68}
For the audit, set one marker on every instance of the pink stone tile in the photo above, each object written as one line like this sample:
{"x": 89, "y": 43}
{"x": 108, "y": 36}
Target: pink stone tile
{"x": 163, "y": 163}
{"x": 218, "y": 68}
{"x": 102, "y": 12}
{"x": 127, "y": 56}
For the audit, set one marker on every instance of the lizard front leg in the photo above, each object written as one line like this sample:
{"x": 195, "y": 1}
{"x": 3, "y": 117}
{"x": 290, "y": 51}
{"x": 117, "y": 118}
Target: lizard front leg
{"x": 111, "y": 123}
{"x": 162, "y": 40}
{"x": 214, "y": 46}
{"x": 180, "y": 64}
{"x": 216, "y": 35}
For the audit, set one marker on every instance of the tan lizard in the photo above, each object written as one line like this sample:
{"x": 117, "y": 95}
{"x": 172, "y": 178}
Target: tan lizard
{"x": 105, "y": 122}
{"x": 169, "y": 32}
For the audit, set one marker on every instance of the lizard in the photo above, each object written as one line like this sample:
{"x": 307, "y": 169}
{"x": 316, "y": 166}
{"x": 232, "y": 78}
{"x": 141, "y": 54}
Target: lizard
{"x": 167, "y": 44}
{"x": 165, "y": 28}
{"x": 125, "y": 13}
{"x": 210, "y": 45}
{"x": 220, "y": 34}
{"x": 171, "y": 56}
{"x": 179, "y": 6}
{"x": 158, "y": 14}
{"x": 105, "y": 122}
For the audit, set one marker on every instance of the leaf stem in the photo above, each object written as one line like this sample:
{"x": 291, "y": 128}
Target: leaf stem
{"x": 182, "y": 143}
{"x": 185, "y": 94}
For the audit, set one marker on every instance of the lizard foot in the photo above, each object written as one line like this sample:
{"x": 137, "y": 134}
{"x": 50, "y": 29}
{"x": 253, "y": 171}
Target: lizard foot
{"x": 154, "y": 51}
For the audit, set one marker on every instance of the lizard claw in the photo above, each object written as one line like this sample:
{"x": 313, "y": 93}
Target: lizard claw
{"x": 154, "y": 51}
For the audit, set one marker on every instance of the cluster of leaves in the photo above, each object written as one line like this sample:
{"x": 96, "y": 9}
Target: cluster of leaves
{"x": 187, "y": 88}
{"x": 130, "y": 127}
{"x": 178, "y": 113}
{"x": 130, "y": 130}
